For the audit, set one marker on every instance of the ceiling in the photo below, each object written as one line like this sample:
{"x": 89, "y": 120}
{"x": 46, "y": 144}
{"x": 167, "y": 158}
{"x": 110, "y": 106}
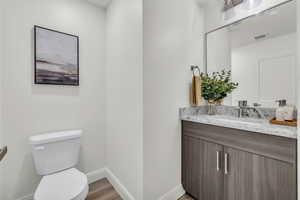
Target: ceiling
{"x": 101, "y": 3}
{"x": 275, "y": 22}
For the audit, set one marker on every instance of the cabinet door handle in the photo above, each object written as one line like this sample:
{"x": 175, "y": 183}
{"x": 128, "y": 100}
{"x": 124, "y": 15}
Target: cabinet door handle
{"x": 226, "y": 163}
{"x": 218, "y": 161}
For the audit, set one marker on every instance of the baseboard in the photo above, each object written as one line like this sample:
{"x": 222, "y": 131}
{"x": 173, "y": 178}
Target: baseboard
{"x": 116, "y": 183}
{"x": 119, "y": 187}
{"x": 96, "y": 175}
{"x": 173, "y": 194}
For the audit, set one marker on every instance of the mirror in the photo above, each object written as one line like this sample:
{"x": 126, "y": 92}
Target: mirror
{"x": 261, "y": 53}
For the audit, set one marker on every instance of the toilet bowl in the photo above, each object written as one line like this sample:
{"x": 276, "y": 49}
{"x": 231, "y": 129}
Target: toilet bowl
{"x": 55, "y": 155}
{"x": 69, "y": 184}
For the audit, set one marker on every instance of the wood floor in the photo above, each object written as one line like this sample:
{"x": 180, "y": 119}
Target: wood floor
{"x": 103, "y": 190}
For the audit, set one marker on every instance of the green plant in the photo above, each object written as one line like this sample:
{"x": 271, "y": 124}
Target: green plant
{"x": 216, "y": 86}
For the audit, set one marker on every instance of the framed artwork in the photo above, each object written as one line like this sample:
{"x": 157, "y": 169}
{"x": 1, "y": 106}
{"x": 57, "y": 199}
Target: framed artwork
{"x": 56, "y": 57}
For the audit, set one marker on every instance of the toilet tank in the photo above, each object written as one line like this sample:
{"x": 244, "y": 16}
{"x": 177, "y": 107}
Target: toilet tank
{"x": 55, "y": 151}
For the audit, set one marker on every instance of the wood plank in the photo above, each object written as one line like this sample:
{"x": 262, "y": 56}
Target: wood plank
{"x": 102, "y": 190}
{"x": 284, "y": 123}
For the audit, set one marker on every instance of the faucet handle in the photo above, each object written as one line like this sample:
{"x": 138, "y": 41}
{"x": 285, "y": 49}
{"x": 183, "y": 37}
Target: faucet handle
{"x": 243, "y": 103}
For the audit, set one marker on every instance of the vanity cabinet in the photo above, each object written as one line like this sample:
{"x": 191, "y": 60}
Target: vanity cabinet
{"x": 221, "y": 163}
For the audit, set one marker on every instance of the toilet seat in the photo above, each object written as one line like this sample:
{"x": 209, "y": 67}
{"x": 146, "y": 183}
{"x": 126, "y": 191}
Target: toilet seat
{"x": 69, "y": 184}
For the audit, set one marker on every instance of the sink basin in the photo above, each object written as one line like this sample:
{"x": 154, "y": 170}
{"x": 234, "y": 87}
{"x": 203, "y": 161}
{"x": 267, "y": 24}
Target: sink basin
{"x": 231, "y": 119}
{"x": 240, "y": 120}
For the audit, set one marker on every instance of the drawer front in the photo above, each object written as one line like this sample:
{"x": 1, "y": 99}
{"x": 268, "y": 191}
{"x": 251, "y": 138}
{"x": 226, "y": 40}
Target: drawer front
{"x": 280, "y": 148}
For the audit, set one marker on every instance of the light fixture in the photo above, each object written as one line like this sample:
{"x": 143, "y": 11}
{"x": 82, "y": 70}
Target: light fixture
{"x": 228, "y": 4}
{"x": 251, "y": 4}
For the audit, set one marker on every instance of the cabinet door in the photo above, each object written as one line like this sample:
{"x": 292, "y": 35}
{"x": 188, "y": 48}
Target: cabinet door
{"x": 191, "y": 165}
{"x": 202, "y": 175}
{"x": 211, "y": 177}
{"x": 253, "y": 177}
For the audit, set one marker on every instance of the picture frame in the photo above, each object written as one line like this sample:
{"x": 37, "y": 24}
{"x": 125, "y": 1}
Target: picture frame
{"x": 56, "y": 57}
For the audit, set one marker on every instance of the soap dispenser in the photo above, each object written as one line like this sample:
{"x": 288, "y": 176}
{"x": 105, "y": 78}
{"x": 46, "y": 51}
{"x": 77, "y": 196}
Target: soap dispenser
{"x": 281, "y": 110}
{"x": 289, "y": 113}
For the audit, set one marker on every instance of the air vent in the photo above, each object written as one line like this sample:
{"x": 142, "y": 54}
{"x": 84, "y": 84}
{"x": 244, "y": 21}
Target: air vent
{"x": 259, "y": 37}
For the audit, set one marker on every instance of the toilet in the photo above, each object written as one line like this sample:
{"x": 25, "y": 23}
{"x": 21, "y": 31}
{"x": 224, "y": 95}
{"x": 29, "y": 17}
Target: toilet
{"x": 55, "y": 155}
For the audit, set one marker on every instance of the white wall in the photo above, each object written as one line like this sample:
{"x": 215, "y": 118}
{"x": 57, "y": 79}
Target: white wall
{"x": 1, "y": 125}
{"x": 32, "y": 109}
{"x": 124, "y": 103}
{"x": 213, "y": 15}
{"x": 248, "y": 63}
{"x": 173, "y": 38}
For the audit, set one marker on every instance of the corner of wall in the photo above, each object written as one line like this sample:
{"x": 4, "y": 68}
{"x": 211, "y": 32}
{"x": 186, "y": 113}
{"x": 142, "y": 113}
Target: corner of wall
{"x": 119, "y": 187}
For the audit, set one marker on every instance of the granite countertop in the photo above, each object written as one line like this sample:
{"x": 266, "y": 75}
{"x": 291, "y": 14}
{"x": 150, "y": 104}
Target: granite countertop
{"x": 247, "y": 124}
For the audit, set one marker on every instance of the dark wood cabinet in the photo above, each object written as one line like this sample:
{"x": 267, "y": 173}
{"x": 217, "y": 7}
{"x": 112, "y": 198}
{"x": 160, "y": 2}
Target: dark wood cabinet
{"x": 191, "y": 173}
{"x": 202, "y": 176}
{"x": 254, "y": 177}
{"x": 239, "y": 165}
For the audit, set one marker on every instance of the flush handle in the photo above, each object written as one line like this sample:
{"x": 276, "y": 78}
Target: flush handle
{"x": 3, "y": 152}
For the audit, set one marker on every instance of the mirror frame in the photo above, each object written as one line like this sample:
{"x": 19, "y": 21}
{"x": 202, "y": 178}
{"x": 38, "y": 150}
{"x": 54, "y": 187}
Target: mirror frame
{"x": 237, "y": 21}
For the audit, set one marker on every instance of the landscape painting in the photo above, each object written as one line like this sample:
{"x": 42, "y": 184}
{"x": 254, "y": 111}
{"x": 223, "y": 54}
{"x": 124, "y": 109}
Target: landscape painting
{"x": 56, "y": 57}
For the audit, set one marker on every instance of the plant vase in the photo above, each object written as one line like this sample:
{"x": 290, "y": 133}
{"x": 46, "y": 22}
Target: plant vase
{"x": 212, "y": 106}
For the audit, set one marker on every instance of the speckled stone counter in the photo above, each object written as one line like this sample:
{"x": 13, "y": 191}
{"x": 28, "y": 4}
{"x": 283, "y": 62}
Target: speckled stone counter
{"x": 226, "y": 120}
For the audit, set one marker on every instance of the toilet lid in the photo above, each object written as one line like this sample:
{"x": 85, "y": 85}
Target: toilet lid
{"x": 65, "y": 185}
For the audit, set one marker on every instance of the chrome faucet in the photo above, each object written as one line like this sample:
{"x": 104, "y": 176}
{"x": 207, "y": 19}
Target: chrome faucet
{"x": 243, "y": 110}
{"x": 258, "y": 111}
